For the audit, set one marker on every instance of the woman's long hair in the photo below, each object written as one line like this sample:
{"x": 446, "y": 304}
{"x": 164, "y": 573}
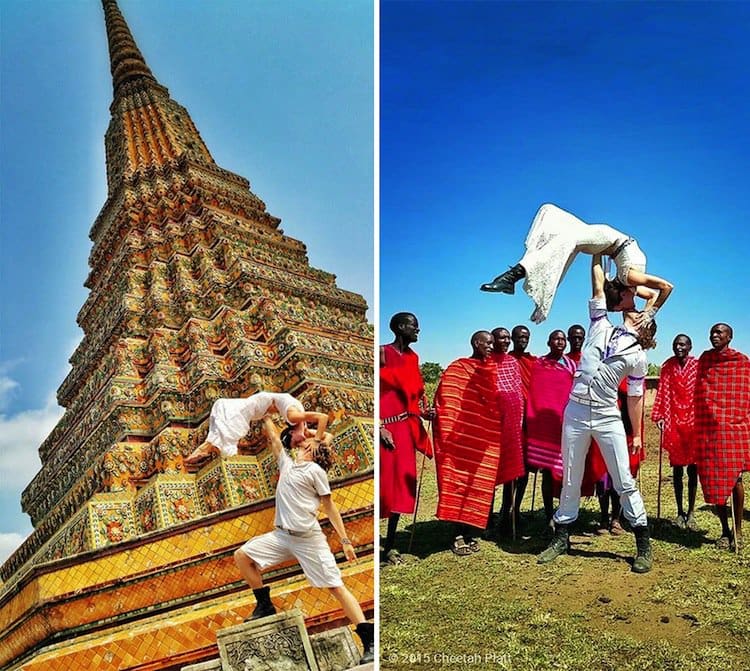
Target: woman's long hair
{"x": 647, "y": 335}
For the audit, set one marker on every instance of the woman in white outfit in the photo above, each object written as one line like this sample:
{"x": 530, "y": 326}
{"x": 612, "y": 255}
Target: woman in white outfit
{"x": 230, "y": 421}
{"x": 556, "y": 236}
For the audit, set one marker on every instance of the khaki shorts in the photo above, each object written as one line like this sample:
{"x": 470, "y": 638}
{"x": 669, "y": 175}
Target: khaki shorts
{"x": 311, "y": 552}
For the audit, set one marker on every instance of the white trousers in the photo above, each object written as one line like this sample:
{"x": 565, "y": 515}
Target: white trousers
{"x": 581, "y": 423}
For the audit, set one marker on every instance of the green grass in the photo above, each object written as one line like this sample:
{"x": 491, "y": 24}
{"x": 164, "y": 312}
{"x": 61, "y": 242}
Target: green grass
{"x": 498, "y": 609}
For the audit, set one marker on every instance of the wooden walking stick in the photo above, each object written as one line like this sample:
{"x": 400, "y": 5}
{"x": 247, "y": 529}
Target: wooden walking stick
{"x": 533, "y": 491}
{"x": 731, "y": 512}
{"x": 513, "y": 507}
{"x": 658, "y": 489}
{"x": 419, "y": 491}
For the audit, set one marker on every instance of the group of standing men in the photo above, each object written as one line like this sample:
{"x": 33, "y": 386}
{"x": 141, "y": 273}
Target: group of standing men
{"x": 499, "y": 413}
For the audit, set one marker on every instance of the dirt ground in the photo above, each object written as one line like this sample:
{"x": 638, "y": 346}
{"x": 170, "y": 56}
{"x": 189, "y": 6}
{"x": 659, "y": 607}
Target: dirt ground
{"x": 499, "y": 609}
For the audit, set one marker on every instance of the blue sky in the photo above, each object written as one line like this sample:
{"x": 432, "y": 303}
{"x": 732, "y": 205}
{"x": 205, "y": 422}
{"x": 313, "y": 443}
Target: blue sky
{"x": 282, "y": 93}
{"x": 634, "y": 114}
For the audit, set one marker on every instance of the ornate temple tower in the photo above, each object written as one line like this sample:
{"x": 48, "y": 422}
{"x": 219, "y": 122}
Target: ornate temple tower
{"x": 195, "y": 294}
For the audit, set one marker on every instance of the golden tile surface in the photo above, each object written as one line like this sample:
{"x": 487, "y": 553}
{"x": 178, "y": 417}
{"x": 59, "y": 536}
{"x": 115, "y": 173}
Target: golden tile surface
{"x": 187, "y": 632}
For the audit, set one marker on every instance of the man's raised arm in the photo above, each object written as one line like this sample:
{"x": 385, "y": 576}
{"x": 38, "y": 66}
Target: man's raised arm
{"x": 597, "y": 276}
{"x": 635, "y": 413}
{"x": 272, "y": 433}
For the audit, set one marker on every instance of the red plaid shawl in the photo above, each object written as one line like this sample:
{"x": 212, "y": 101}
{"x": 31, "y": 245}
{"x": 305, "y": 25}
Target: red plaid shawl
{"x": 467, "y": 441}
{"x": 675, "y": 404}
{"x": 722, "y": 421}
{"x": 511, "y": 408}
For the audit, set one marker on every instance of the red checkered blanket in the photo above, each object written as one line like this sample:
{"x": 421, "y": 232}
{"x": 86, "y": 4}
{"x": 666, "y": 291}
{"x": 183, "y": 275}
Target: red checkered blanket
{"x": 722, "y": 421}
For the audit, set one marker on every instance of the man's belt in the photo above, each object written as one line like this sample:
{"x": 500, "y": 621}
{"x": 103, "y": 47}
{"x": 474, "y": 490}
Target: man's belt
{"x": 620, "y": 247}
{"x": 298, "y": 534}
{"x": 394, "y": 419}
{"x": 588, "y": 401}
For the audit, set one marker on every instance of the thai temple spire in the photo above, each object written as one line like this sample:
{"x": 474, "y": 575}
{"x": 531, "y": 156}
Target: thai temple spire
{"x": 126, "y": 61}
{"x": 148, "y": 131}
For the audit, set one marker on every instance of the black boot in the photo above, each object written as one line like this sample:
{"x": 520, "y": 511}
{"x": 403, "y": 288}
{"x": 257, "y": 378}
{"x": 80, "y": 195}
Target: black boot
{"x": 559, "y": 545}
{"x": 264, "y": 607}
{"x": 644, "y": 559}
{"x": 366, "y": 633}
{"x": 505, "y": 283}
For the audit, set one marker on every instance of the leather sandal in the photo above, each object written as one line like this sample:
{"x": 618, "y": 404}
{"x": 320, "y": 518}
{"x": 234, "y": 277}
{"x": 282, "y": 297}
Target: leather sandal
{"x": 460, "y": 548}
{"x": 393, "y": 557}
{"x": 724, "y": 543}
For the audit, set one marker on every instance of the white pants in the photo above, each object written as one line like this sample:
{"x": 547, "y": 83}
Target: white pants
{"x": 311, "y": 551}
{"x": 581, "y": 423}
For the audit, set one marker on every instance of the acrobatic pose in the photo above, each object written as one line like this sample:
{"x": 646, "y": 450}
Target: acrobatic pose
{"x": 302, "y": 488}
{"x": 556, "y": 236}
{"x": 610, "y": 354}
{"x": 230, "y": 420}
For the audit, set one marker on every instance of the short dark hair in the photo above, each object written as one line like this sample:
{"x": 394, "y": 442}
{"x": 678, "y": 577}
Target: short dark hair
{"x": 398, "y": 319}
{"x": 729, "y": 328}
{"x": 476, "y": 335}
{"x": 613, "y": 290}
{"x": 683, "y": 335}
{"x": 286, "y": 438}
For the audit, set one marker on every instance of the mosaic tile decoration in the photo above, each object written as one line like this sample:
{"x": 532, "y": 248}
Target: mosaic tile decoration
{"x": 147, "y": 512}
{"x": 212, "y": 488}
{"x": 246, "y": 482}
{"x": 183, "y": 550}
{"x": 354, "y": 449}
{"x": 178, "y": 499}
{"x": 111, "y": 518}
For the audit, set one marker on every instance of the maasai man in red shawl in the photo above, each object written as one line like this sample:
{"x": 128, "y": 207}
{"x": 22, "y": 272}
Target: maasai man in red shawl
{"x": 722, "y": 428}
{"x": 511, "y": 408}
{"x": 402, "y": 404}
{"x": 549, "y": 390}
{"x": 520, "y": 336}
{"x": 674, "y": 414}
{"x": 467, "y": 442}
{"x": 576, "y": 337}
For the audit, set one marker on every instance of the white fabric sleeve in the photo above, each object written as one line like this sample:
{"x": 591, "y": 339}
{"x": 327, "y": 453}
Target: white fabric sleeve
{"x": 597, "y": 308}
{"x": 285, "y": 461}
{"x": 320, "y": 481}
{"x": 638, "y": 376}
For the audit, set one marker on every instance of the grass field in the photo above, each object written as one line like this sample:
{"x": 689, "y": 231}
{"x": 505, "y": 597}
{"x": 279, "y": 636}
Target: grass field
{"x": 497, "y": 609}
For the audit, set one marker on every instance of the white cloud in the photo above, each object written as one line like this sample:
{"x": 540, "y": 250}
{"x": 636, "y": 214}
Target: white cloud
{"x": 9, "y": 543}
{"x": 21, "y": 434}
{"x": 7, "y": 385}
